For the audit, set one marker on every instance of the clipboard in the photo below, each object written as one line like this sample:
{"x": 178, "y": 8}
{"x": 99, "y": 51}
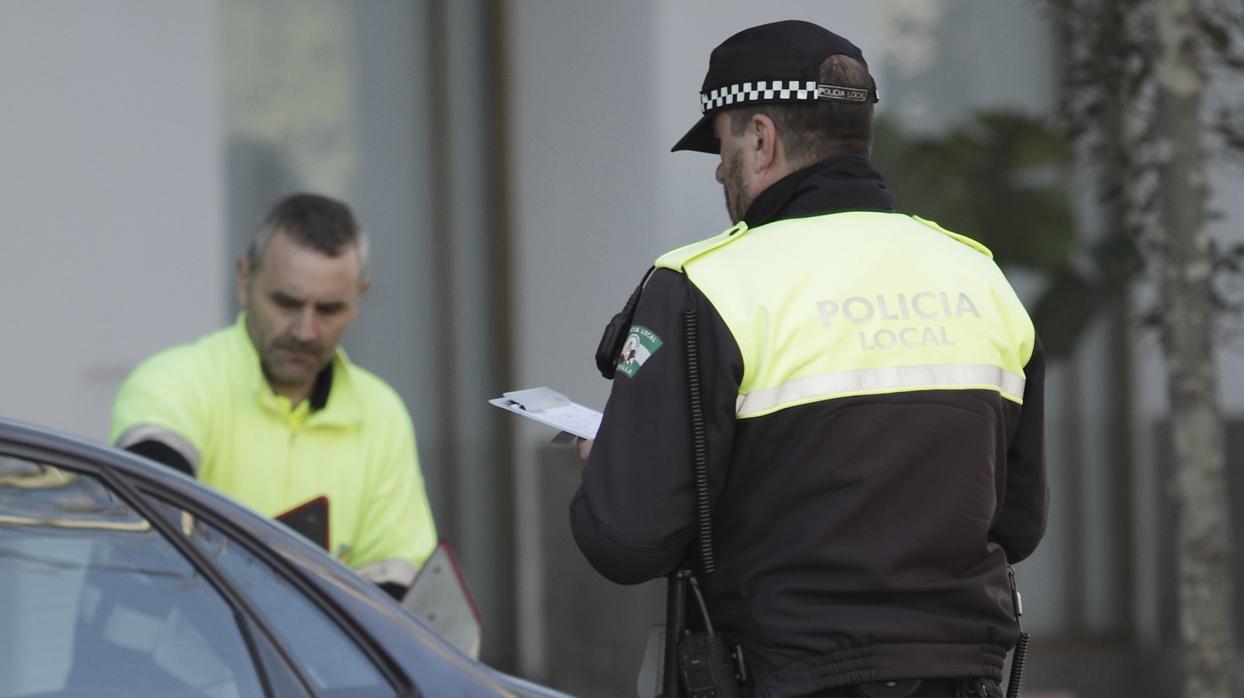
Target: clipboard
{"x": 310, "y": 519}
{"x": 550, "y": 407}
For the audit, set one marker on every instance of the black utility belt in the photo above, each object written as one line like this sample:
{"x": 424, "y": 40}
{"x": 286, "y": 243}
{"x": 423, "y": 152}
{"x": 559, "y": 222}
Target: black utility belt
{"x": 926, "y": 688}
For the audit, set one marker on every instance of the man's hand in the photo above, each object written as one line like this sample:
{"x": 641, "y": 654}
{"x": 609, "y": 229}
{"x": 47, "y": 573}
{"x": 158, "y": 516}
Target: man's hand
{"x": 585, "y": 448}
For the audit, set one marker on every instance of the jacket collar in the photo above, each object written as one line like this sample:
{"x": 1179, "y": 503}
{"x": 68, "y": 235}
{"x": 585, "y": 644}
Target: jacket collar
{"x": 841, "y": 183}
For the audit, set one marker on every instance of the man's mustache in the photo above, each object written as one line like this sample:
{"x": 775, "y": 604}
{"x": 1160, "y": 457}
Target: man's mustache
{"x": 297, "y": 347}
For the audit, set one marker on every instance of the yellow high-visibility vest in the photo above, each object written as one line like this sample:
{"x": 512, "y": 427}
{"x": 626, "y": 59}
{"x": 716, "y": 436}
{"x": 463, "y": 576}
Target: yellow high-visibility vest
{"x": 860, "y": 303}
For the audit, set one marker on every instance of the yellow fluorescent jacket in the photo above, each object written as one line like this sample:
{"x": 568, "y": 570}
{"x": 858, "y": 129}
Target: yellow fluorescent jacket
{"x": 938, "y": 315}
{"x": 211, "y": 400}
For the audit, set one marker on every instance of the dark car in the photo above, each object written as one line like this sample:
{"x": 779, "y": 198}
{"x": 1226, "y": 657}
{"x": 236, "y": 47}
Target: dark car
{"x": 119, "y": 577}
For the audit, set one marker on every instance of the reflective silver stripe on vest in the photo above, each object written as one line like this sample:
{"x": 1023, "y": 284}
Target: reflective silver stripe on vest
{"x": 878, "y": 380}
{"x": 394, "y": 570}
{"x": 152, "y": 432}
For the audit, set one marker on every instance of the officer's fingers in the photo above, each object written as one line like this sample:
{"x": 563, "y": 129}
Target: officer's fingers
{"x": 585, "y": 448}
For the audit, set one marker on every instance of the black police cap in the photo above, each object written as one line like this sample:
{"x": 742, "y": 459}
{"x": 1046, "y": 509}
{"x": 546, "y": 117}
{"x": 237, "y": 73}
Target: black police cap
{"x": 774, "y": 63}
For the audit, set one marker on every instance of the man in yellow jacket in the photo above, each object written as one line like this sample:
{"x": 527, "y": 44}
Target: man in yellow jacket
{"x": 271, "y": 411}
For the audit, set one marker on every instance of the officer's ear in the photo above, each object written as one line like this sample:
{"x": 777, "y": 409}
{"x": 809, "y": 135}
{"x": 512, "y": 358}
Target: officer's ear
{"x": 761, "y": 144}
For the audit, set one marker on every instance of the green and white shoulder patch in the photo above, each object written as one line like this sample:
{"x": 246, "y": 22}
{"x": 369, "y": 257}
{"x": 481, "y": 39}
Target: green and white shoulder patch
{"x": 640, "y": 344}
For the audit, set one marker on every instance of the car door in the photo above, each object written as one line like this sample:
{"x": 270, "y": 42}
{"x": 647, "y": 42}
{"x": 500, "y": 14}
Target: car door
{"x": 98, "y": 602}
{"x": 113, "y": 591}
{"x": 120, "y": 577}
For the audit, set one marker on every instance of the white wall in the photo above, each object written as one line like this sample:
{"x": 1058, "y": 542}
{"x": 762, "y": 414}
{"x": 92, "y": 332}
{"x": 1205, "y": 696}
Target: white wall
{"x": 110, "y": 178}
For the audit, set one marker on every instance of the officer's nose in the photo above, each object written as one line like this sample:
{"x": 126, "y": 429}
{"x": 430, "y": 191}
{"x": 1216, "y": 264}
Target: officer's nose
{"x": 718, "y": 174}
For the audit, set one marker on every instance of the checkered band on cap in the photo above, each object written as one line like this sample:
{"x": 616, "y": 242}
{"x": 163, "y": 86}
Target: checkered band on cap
{"x": 779, "y": 91}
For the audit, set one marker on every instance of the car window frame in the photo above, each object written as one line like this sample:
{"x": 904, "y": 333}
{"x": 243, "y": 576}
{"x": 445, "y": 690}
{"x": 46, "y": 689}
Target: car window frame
{"x": 135, "y": 487}
{"x": 242, "y": 612}
{"x": 397, "y": 680}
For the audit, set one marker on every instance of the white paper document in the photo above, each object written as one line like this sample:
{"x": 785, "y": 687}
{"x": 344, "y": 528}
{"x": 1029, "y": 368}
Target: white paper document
{"x": 550, "y": 407}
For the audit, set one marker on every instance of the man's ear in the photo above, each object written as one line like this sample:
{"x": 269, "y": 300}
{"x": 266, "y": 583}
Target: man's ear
{"x": 242, "y": 280}
{"x": 763, "y": 146}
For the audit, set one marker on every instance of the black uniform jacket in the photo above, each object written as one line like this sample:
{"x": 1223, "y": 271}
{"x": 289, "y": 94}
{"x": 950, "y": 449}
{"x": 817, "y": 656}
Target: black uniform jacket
{"x": 846, "y": 532}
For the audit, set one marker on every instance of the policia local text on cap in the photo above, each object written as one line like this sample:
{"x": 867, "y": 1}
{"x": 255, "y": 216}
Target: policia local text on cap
{"x": 831, "y": 413}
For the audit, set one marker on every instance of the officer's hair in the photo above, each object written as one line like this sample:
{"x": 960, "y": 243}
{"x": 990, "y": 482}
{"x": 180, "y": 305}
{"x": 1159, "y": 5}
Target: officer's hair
{"x": 813, "y": 132}
{"x": 311, "y": 220}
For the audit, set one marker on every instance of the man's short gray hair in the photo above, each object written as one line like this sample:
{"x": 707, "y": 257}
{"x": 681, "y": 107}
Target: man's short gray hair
{"x": 311, "y": 220}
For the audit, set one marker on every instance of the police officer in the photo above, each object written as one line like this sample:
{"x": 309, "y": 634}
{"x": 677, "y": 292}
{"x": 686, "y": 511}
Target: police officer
{"x": 871, "y": 402}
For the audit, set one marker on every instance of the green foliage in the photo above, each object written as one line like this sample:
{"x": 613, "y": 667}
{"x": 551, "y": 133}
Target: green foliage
{"x": 995, "y": 179}
{"x": 1109, "y": 96}
{"x": 1000, "y": 179}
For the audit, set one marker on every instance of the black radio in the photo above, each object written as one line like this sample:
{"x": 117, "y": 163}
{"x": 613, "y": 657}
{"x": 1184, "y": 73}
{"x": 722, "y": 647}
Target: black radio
{"x": 610, "y": 347}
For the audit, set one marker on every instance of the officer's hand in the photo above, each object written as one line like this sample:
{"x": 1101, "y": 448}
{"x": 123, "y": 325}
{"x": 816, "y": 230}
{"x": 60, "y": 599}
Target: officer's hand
{"x": 585, "y": 448}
